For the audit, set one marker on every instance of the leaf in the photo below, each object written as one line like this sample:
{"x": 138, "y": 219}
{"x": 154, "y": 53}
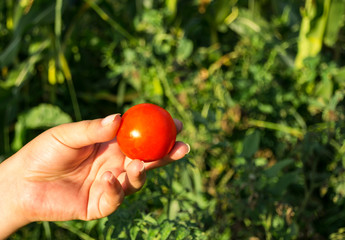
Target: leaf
{"x": 90, "y": 225}
{"x": 337, "y": 97}
{"x": 324, "y": 89}
{"x": 150, "y": 21}
{"x": 42, "y": 116}
{"x": 284, "y": 181}
{"x": 47, "y": 230}
{"x": 182, "y": 233}
{"x": 163, "y": 43}
{"x": 184, "y": 49}
{"x": 340, "y": 76}
{"x": 312, "y": 30}
{"x": 251, "y": 144}
{"x": 335, "y": 21}
{"x": 133, "y": 232}
{"x": 19, "y": 135}
{"x": 278, "y": 167}
{"x": 45, "y": 115}
{"x": 245, "y": 24}
{"x": 174, "y": 208}
{"x": 152, "y": 233}
{"x": 340, "y": 234}
{"x": 221, "y": 9}
{"x": 166, "y": 229}
{"x": 197, "y": 180}
{"x": 150, "y": 219}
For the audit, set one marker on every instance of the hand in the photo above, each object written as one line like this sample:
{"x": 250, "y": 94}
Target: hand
{"x": 72, "y": 171}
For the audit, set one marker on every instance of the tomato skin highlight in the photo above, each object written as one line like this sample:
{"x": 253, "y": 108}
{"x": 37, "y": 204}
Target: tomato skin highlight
{"x": 147, "y": 132}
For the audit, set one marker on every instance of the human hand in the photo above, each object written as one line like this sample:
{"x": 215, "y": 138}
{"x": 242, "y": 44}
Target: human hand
{"x": 72, "y": 171}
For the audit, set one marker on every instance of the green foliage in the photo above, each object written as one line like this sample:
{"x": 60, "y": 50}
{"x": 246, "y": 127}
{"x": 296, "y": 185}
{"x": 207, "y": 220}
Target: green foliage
{"x": 40, "y": 117}
{"x": 267, "y": 138}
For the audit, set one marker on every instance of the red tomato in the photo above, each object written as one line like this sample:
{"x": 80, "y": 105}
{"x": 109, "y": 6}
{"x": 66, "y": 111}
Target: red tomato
{"x": 147, "y": 132}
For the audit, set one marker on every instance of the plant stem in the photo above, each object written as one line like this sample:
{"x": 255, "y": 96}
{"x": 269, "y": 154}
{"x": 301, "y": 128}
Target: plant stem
{"x": 278, "y": 127}
{"x": 109, "y": 20}
{"x": 74, "y": 230}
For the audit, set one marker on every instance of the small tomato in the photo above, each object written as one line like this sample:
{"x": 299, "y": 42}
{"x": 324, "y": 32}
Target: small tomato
{"x": 147, "y": 132}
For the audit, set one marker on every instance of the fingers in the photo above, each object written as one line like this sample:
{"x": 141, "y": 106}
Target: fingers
{"x": 84, "y": 133}
{"x": 134, "y": 177}
{"x": 179, "y": 150}
{"x": 113, "y": 194}
{"x": 179, "y": 125}
{"x": 106, "y": 196}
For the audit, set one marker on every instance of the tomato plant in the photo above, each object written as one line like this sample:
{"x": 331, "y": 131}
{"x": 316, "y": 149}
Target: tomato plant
{"x": 147, "y": 132}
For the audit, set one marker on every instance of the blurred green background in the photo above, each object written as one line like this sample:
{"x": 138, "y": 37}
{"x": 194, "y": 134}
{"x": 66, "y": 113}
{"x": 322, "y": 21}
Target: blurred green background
{"x": 258, "y": 84}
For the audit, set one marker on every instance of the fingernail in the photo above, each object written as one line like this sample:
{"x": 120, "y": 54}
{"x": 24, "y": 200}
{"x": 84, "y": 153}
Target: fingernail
{"x": 142, "y": 168}
{"x": 110, "y": 119}
{"x": 188, "y": 147}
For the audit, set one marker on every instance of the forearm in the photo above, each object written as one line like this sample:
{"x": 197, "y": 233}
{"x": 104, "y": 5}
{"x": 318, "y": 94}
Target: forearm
{"x": 11, "y": 218}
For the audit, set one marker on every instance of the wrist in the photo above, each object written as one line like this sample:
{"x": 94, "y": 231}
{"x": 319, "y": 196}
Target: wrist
{"x": 12, "y": 216}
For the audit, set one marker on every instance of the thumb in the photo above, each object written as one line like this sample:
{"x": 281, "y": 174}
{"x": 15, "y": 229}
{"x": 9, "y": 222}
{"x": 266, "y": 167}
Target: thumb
{"x": 84, "y": 133}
